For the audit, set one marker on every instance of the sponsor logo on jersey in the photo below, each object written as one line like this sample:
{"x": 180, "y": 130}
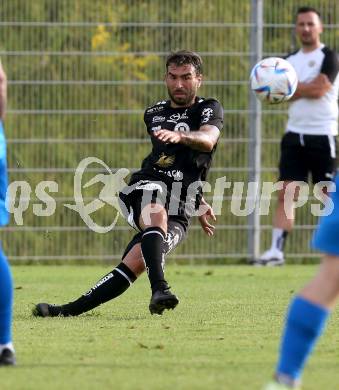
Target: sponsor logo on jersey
{"x": 152, "y": 110}
{"x": 165, "y": 161}
{"x": 156, "y": 128}
{"x": 175, "y": 118}
{"x": 311, "y": 63}
{"x": 158, "y": 119}
{"x": 175, "y": 174}
{"x": 206, "y": 114}
{"x": 182, "y": 126}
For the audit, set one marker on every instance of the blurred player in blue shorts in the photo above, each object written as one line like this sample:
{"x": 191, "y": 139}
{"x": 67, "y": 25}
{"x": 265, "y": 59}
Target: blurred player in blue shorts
{"x": 309, "y": 310}
{"x": 7, "y": 356}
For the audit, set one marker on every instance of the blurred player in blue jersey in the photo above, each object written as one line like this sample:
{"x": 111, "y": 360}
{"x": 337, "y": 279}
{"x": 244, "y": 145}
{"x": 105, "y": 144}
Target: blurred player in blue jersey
{"x": 7, "y": 356}
{"x": 309, "y": 310}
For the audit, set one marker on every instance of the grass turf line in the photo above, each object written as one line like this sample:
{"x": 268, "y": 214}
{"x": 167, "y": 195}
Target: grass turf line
{"x": 223, "y": 335}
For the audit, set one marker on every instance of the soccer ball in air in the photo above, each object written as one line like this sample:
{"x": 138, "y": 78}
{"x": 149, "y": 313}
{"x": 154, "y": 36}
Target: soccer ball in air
{"x": 273, "y": 80}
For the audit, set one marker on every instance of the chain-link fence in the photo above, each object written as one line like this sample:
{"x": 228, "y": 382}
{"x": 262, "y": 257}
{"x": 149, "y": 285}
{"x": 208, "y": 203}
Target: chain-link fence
{"x": 80, "y": 75}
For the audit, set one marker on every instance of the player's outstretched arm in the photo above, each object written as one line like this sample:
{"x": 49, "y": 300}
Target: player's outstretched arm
{"x": 203, "y": 140}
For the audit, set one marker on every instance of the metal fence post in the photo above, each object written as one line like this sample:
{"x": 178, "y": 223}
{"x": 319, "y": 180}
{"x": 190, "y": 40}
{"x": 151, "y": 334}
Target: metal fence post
{"x": 256, "y": 44}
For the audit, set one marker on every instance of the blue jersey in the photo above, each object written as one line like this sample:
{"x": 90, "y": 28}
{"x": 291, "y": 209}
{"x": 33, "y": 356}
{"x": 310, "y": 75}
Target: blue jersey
{"x": 4, "y": 215}
{"x": 326, "y": 235}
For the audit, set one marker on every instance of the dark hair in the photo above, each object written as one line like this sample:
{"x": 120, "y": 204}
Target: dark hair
{"x": 184, "y": 57}
{"x": 304, "y": 10}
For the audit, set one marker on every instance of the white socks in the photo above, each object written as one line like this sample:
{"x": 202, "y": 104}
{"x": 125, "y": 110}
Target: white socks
{"x": 278, "y": 239}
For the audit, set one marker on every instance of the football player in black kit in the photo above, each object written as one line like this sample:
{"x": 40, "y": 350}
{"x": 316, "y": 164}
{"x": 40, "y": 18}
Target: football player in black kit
{"x": 167, "y": 190}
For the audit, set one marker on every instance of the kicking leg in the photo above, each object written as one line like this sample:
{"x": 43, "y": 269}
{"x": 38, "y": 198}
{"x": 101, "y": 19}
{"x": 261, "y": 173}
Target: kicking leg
{"x": 108, "y": 287}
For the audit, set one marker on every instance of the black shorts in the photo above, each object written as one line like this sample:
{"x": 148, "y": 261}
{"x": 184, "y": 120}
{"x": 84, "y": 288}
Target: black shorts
{"x": 138, "y": 194}
{"x": 176, "y": 233}
{"x": 302, "y": 154}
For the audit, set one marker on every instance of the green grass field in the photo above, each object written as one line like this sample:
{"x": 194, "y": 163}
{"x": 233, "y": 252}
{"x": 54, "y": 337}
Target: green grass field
{"x": 223, "y": 335}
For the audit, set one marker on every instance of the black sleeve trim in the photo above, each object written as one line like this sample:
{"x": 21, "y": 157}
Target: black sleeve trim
{"x": 330, "y": 65}
{"x": 290, "y": 54}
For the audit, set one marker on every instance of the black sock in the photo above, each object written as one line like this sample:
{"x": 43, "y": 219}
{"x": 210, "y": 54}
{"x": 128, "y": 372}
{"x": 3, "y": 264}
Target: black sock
{"x": 108, "y": 287}
{"x": 152, "y": 251}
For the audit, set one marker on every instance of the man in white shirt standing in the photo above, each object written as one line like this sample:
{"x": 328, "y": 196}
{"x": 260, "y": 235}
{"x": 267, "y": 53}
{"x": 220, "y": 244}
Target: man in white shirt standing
{"x": 308, "y": 146}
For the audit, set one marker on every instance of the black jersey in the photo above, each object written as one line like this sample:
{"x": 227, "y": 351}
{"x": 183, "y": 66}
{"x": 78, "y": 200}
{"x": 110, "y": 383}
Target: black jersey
{"x": 169, "y": 162}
